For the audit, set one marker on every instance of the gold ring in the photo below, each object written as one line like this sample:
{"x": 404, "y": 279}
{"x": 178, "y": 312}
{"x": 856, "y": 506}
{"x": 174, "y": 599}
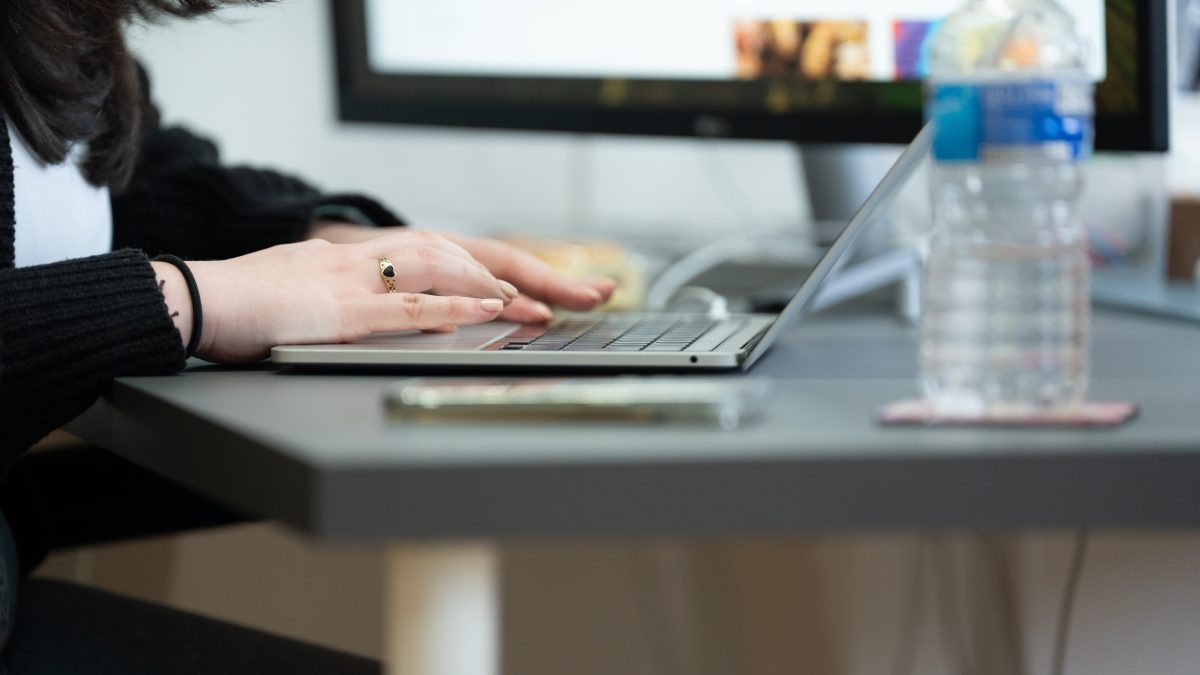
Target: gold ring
{"x": 388, "y": 271}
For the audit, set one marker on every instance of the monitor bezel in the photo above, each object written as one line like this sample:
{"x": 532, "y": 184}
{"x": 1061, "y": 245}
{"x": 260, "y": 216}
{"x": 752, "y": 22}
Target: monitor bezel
{"x": 367, "y": 96}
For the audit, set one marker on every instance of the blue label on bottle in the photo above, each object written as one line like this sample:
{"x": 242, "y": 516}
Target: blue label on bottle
{"x": 1029, "y": 120}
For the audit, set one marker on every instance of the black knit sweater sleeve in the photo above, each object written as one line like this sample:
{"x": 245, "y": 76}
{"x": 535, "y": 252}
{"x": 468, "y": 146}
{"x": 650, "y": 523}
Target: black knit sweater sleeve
{"x": 68, "y": 328}
{"x": 183, "y": 201}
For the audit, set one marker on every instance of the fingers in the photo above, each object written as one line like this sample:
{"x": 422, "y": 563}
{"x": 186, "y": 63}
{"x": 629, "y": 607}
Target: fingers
{"x": 536, "y": 277}
{"x": 417, "y": 311}
{"x": 552, "y": 286}
{"x": 527, "y": 310}
{"x": 603, "y": 285}
{"x": 433, "y": 270}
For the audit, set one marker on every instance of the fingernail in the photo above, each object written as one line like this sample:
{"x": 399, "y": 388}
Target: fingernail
{"x": 491, "y": 305}
{"x": 594, "y": 294}
{"x": 509, "y": 290}
{"x": 543, "y": 310}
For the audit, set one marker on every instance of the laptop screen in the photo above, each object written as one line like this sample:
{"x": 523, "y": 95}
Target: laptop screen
{"x": 823, "y": 277}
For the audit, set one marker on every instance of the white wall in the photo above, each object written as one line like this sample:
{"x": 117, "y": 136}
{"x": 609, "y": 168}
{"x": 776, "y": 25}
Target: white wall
{"x": 260, "y": 80}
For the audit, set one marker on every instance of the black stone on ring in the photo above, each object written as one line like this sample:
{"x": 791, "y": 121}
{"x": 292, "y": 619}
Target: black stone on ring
{"x": 388, "y": 272}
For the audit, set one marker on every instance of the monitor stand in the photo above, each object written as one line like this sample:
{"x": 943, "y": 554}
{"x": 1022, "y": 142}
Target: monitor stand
{"x": 838, "y": 179}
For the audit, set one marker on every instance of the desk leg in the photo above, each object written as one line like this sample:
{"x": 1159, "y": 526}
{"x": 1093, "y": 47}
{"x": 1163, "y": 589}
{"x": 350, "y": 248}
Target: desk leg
{"x": 442, "y": 610}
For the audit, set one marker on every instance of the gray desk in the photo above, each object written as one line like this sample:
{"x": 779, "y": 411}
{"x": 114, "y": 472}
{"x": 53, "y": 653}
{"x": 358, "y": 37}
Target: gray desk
{"x": 318, "y": 453}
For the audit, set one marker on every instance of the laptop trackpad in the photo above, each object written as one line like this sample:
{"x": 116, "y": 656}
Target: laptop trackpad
{"x": 465, "y": 338}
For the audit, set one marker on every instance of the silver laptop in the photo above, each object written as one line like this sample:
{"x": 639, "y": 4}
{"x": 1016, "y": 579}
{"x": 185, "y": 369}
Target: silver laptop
{"x": 610, "y": 341}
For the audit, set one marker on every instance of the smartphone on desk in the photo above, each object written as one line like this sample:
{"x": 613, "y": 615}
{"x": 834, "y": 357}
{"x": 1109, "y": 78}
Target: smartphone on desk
{"x": 725, "y": 402}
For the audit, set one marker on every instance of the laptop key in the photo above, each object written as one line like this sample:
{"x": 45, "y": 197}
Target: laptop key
{"x": 577, "y": 347}
{"x": 621, "y": 333}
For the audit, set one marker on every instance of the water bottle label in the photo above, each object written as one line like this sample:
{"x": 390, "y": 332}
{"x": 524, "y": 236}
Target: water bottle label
{"x": 1025, "y": 120}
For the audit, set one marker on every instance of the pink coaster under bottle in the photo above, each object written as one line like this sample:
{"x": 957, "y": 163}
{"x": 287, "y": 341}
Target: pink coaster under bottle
{"x": 919, "y": 412}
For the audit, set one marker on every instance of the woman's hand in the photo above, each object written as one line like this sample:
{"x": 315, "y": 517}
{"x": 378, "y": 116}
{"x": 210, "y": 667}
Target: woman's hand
{"x": 314, "y": 292}
{"x": 538, "y": 282}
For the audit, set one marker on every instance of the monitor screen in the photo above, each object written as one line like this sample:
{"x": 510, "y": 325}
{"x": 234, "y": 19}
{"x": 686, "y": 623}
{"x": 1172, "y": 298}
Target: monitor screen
{"x": 800, "y": 70}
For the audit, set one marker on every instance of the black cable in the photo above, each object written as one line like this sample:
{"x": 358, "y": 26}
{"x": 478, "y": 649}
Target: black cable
{"x": 193, "y": 291}
{"x": 1066, "y": 606}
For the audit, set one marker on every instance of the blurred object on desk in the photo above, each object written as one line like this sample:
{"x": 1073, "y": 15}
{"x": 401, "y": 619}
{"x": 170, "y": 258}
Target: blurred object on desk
{"x": 721, "y": 401}
{"x": 595, "y": 258}
{"x": 1183, "y": 250}
{"x": 1159, "y": 297}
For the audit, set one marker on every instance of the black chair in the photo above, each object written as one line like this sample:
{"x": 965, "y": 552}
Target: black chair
{"x": 80, "y": 495}
{"x": 67, "y": 629}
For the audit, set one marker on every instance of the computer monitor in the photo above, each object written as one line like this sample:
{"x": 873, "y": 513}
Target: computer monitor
{"x": 796, "y": 70}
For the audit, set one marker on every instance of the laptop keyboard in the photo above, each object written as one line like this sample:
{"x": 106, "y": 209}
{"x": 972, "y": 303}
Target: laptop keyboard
{"x": 615, "y": 333}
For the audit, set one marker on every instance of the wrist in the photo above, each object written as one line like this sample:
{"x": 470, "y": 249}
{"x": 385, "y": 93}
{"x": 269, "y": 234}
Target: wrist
{"x": 202, "y": 273}
{"x": 175, "y": 295}
{"x": 194, "y": 301}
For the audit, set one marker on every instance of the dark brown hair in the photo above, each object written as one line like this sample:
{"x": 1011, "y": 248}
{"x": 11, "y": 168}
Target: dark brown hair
{"x": 66, "y": 77}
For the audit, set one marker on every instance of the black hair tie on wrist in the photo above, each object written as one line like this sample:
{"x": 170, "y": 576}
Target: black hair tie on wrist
{"x": 194, "y": 292}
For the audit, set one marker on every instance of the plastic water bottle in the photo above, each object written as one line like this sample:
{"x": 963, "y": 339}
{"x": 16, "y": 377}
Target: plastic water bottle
{"x": 1006, "y": 306}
